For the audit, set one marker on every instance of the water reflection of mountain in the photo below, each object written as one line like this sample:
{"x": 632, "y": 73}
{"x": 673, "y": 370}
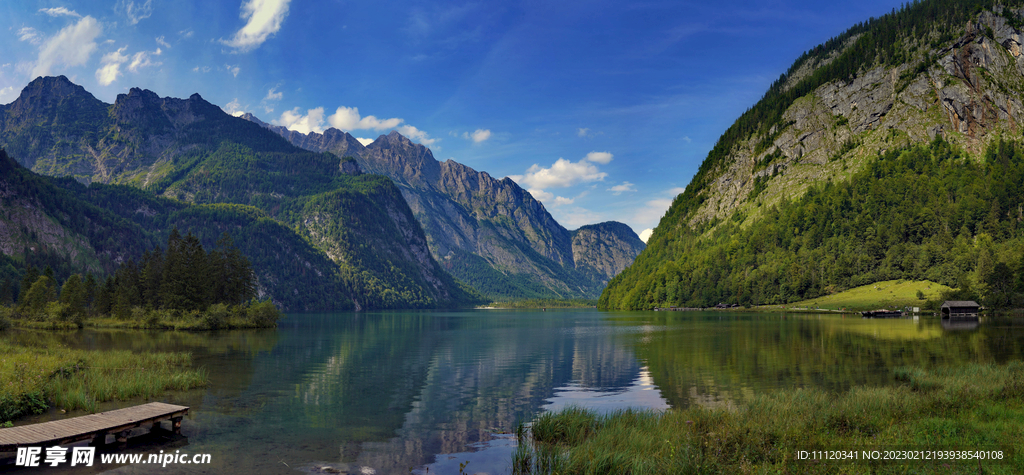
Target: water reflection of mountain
{"x": 721, "y": 358}
{"x": 454, "y": 380}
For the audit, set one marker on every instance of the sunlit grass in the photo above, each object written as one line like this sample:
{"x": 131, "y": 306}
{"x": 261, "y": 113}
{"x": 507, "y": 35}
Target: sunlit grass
{"x": 890, "y": 293}
{"x": 972, "y": 407}
{"x": 34, "y": 378}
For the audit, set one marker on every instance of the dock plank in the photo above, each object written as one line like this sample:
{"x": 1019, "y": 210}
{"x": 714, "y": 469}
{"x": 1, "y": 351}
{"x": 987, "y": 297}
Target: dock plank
{"x": 88, "y": 426}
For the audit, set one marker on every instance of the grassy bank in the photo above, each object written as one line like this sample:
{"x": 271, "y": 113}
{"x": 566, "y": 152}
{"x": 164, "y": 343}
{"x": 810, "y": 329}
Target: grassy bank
{"x": 545, "y": 303}
{"x": 973, "y": 407}
{"x": 890, "y": 293}
{"x": 216, "y": 317}
{"x": 33, "y": 379}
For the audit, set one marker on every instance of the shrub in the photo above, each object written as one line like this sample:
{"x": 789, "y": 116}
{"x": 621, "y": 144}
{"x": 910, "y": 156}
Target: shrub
{"x": 263, "y": 314}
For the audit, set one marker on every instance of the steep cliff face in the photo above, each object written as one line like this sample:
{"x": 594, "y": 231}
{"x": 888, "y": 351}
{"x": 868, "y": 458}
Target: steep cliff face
{"x": 605, "y": 248}
{"x": 487, "y": 232}
{"x": 969, "y": 91}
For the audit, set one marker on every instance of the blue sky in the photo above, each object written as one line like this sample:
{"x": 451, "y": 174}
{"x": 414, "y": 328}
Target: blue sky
{"x": 604, "y": 110}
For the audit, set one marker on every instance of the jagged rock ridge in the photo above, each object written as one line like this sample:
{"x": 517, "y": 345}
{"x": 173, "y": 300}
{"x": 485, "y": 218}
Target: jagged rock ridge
{"x": 482, "y": 228}
{"x": 190, "y": 150}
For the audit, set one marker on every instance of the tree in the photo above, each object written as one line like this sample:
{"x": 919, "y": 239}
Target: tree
{"x": 73, "y": 295}
{"x": 42, "y": 292}
{"x": 30, "y": 277}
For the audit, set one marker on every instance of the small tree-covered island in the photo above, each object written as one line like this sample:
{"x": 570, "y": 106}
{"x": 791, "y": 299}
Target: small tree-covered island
{"x": 296, "y": 283}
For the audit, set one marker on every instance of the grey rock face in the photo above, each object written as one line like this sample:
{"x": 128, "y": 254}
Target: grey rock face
{"x": 969, "y": 91}
{"x": 605, "y": 248}
{"x": 463, "y": 211}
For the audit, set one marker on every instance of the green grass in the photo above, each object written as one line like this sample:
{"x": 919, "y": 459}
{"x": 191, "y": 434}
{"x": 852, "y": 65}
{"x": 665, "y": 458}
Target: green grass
{"x": 890, "y": 293}
{"x": 33, "y": 379}
{"x": 545, "y": 303}
{"x": 970, "y": 407}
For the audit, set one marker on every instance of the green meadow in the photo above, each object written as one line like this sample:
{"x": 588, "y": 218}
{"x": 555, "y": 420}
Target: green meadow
{"x": 886, "y": 294}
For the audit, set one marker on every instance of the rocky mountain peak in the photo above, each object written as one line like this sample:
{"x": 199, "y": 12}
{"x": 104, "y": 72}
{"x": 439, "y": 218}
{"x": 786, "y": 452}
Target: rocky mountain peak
{"x": 45, "y": 95}
{"x": 53, "y": 87}
{"x": 605, "y": 248}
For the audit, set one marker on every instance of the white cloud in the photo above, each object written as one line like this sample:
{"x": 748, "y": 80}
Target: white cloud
{"x": 263, "y": 18}
{"x": 619, "y": 189}
{"x": 7, "y": 95}
{"x": 160, "y": 41}
{"x": 186, "y": 33}
{"x": 687, "y": 139}
{"x": 71, "y": 46}
{"x": 313, "y": 121}
{"x": 416, "y": 134}
{"x": 478, "y": 135}
{"x": 348, "y": 119}
{"x": 111, "y": 69}
{"x": 31, "y": 35}
{"x": 562, "y": 173}
{"x": 60, "y": 11}
{"x": 204, "y": 69}
{"x": 363, "y": 141}
{"x": 576, "y": 217}
{"x": 646, "y": 234}
{"x": 677, "y": 190}
{"x": 273, "y": 95}
{"x": 562, "y": 201}
{"x": 652, "y": 211}
{"x": 233, "y": 69}
{"x": 233, "y": 108}
{"x": 142, "y": 60}
{"x": 599, "y": 157}
{"x": 135, "y": 12}
{"x": 582, "y": 132}
{"x": 541, "y": 195}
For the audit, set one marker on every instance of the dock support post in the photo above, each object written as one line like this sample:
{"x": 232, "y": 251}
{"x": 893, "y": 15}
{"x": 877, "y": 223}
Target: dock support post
{"x": 99, "y": 440}
{"x": 122, "y": 437}
{"x": 176, "y": 425}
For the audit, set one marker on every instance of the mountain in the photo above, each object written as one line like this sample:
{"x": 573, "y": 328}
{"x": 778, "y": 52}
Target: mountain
{"x": 487, "y": 232}
{"x": 887, "y": 152}
{"x": 315, "y": 208}
{"x": 605, "y": 249}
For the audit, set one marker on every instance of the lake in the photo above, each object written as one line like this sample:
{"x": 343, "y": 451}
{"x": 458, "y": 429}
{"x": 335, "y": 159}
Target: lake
{"x": 423, "y": 392}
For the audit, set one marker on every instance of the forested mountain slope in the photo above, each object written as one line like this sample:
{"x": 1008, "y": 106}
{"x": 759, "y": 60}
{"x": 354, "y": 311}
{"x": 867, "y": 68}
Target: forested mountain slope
{"x": 887, "y": 152}
{"x": 192, "y": 151}
{"x": 487, "y": 232}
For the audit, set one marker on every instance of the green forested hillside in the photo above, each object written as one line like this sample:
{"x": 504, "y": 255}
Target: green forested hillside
{"x": 888, "y": 152}
{"x": 878, "y": 41}
{"x": 928, "y": 212}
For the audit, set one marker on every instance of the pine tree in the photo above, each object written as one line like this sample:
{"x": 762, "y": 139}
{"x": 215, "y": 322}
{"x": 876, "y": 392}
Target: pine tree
{"x": 73, "y": 294}
{"x": 7, "y": 292}
{"x": 30, "y": 277}
{"x": 152, "y": 276}
{"x": 172, "y": 282}
{"x": 90, "y": 290}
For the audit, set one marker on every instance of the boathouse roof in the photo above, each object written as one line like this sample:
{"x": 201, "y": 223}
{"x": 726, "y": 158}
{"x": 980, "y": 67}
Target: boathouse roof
{"x": 960, "y": 304}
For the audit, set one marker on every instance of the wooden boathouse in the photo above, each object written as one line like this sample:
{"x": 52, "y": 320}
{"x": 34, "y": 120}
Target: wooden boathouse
{"x": 960, "y": 310}
{"x": 95, "y": 427}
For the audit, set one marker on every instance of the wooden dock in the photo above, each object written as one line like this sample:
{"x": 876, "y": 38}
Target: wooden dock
{"x": 94, "y": 426}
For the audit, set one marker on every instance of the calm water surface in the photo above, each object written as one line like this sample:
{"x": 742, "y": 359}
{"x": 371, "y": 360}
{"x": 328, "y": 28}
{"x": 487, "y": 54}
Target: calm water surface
{"x": 422, "y": 392}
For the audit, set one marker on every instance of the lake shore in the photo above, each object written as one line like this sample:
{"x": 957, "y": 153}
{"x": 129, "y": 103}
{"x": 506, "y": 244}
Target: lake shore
{"x": 976, "y": 407}
{"x": 34, "y": 379}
